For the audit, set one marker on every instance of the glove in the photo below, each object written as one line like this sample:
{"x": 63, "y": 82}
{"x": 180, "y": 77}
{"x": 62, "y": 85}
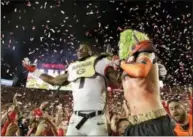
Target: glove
{"x": 28, "y": 66}
{"x": 162, "y": 71}
{"x": 31, "y": 67}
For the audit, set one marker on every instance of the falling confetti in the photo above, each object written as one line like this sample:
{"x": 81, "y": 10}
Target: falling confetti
{"x": 45, "y": 4}
{"x": 31, "y": 39}
{"x": 62, "y": 12}
{"x": 33, "y": 28}
{"x": 29, "y": 4}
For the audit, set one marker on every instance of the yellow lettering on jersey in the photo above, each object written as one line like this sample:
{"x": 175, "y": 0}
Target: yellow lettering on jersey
{"x": 80, "y": 69}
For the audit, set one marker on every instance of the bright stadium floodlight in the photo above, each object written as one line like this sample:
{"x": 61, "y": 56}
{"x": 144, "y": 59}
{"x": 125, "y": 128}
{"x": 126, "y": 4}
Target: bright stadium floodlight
{"x": 6, "y": 82}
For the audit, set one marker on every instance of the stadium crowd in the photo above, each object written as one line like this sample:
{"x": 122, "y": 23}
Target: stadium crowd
{"x": 40, "y": 102}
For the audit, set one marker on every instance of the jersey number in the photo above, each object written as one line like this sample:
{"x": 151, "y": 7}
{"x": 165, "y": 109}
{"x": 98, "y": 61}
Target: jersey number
{"x": 82, "y": 81}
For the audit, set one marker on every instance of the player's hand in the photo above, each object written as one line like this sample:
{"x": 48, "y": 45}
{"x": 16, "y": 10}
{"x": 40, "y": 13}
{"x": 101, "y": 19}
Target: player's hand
{"x": 28, "y": 66}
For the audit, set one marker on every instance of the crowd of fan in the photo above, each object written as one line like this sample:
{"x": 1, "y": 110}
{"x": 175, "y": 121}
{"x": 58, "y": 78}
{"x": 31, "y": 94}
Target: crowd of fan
{"x": 57, "y": 108}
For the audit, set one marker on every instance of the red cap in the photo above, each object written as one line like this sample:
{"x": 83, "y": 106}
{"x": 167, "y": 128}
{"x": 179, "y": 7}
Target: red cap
{"x": 38, "y": 112}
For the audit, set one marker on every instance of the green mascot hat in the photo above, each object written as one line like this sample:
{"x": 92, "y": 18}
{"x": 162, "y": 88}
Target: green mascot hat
{"x": 128, "y": 39}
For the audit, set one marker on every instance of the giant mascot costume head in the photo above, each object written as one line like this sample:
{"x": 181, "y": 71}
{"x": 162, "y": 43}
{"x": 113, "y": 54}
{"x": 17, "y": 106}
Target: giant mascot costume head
{"x": 132, "y": 41}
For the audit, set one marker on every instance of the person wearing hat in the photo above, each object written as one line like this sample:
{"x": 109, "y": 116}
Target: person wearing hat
{"x": 140, "y": 79}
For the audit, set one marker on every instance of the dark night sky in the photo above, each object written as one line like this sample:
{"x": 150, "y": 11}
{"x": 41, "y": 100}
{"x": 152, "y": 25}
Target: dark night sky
{"x": 50, "y": 31}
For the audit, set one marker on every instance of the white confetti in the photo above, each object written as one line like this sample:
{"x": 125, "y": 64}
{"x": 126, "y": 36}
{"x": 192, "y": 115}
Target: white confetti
{"x": 49, "y": 34}
{"x": 31, "y": 52}
{"x": 29, "y": 4}
{"x": 185, "y": 30}
{"x": 99, "y": 24}
{"x": 62, "y": 12}
{"x": 90, "y": 13}
{"x": 41, "y": 38}
{"x": 31, "y": 39}
{"x": 52, "y": 30}
{"x": 188, "y": 15}
{"x": 45, "y": 5}
{"x": 48, "y": 21}
{"x": 15, "y": 10}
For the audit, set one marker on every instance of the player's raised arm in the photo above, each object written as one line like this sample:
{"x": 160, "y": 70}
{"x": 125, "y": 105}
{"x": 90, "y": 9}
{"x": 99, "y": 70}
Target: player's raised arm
{"x": 58, "y": 80}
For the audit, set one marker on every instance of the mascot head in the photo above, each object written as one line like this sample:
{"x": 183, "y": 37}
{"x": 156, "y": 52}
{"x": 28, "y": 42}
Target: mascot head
{"x": 128, "y": 40}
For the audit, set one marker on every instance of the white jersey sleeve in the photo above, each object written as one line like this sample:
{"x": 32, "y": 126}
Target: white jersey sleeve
{"x": 102, "y": 66}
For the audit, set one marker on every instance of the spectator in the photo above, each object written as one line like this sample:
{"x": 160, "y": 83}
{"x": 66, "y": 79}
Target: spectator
{"x": 183, "y": 120}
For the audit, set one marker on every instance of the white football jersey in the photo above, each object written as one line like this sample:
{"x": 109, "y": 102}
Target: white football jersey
{"x": 91, "y": 95}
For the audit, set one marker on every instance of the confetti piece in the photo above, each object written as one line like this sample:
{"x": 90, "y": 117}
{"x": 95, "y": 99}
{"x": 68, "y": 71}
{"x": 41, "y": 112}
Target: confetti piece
{"x": 31, "y": 39}
{"x": 31, "y": 52}
{"x": 62, "y": 12}
{"x": 49, "y": 34}
{"x": 41, "y": 38}
{"x": 29, "y": 4}
{"x": 90, "y": 13}
{"x": 52, "y": 30}
{"x": 45, "y": 4}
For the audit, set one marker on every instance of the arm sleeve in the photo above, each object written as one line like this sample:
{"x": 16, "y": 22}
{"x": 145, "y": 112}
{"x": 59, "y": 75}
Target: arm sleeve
{"x": 141, "y": 67}
{"x": 103, "y": 65}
